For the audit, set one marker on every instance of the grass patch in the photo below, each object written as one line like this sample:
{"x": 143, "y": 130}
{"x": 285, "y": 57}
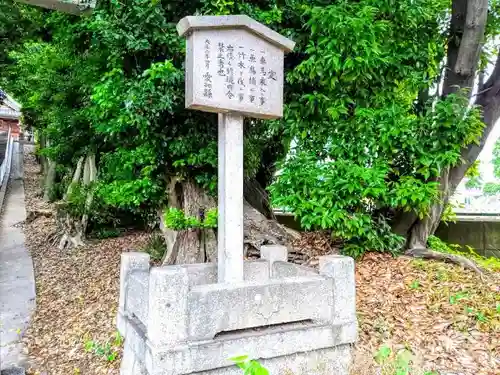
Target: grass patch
{"x": 492, "y": 264}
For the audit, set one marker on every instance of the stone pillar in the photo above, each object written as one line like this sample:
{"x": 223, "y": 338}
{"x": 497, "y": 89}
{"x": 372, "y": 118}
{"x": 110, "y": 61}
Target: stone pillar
{"x": 230, "y": 200}
{"x": 167, "y": 315}
{"x": 340, "y": 270}
{"x": 273, "y": 253}
{"x": 131, "y": 261}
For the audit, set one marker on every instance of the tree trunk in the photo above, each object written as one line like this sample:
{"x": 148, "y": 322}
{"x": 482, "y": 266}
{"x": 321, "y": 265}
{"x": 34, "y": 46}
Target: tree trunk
{"x": 49, "y": 181}
{"x": 420, "y": 232}
{"x": 193, "y": 245}
{"x": 467, "y": 29}
{"x": 74, "y": 228}
{"x": 42, "y": 160}
{"x": 489, "y": 100}
{"x": 76, "y": 177}
{"x": 199, "y": 246}
{"x": 88, "y": 178}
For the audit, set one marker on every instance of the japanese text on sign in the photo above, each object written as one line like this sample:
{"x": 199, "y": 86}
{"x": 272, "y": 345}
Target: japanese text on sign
{"x": 243, "y": 72}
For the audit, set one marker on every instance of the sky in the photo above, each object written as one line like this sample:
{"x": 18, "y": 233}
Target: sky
{"x": 485, "y": 157}
{"x": 485, "y": 167}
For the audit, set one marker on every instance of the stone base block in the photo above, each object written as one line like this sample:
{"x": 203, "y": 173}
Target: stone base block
{"x": 178, "y": 321}
{"x": 331, "y": 361}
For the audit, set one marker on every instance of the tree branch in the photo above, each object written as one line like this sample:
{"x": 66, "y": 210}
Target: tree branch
{"x": 495, "y": 76}
{"x": 452, "y": 80}
{"x": 489, "y": 100}
{"x": 470, "y": 44}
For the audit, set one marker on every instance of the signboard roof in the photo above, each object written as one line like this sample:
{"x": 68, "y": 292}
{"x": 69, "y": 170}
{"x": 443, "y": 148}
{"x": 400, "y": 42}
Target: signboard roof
{"x": 189, "y": 23}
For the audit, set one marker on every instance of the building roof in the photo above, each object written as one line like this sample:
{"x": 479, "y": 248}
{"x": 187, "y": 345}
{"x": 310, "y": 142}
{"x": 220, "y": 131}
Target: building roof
{"x": 77, "y": 7}
{"x": 9, "y": 108}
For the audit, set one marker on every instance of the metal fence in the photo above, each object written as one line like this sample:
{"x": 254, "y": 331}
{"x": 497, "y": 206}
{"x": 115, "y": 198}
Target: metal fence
{"x": 5, "y": 167}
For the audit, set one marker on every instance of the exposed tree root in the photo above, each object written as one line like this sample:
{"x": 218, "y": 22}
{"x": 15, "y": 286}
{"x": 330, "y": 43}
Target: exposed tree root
{"x": 460, "y": 260}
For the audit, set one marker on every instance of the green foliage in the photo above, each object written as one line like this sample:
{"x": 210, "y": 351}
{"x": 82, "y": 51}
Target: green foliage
{"x": 474, "y": 183}
{"x": 491, "y": 188}
{"x": 399, "y": 363}
{"x": 496, "y": 159}
{"x": 366, "y": 136}
{"x": 415, "y": 284}
{"x": 108, "y": 350}
{"x": 76, "y": 201}
{"x": 103, "y": 233}
{"x": 249, "y": 367}
{"x": 363, "y": 147}
{"x": 156, "y": 247}
{"x": 449, "y": 214}
{"x": 457, "y": 297}
{"x": 176, "y": 219}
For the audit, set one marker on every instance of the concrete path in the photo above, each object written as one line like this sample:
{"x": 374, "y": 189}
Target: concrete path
{"x": 17, "y": 282}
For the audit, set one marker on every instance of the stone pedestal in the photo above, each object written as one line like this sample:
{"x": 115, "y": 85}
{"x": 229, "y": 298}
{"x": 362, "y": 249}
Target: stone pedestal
{"x": 178, "y": 320}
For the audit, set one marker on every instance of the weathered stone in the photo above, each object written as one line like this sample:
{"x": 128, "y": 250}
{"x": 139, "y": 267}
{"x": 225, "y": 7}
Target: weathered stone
{"x": 340, "y": 269}
{"x": 137, "y": 295}
{"x": 168, "y": 301}
{"x": 131, "y": 363}
{"x": 273, "y": 253}
{"x": 225, "y": 307}
{"x": 273, "y": 342}
{"x": 164, "y": 346}
{"x": 13, "y": 371}
{"x": 206, "y": 273}
{"x": 331, "y": 361}
{"x": 230, "y": 199}
{"x": 136, "y": 338}
{"x": 285, "y": 269}
{"x": 130, "y": 261}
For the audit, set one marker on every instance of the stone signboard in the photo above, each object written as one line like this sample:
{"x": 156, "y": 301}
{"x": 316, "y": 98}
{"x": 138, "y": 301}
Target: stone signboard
{"x": 234, "y": 64}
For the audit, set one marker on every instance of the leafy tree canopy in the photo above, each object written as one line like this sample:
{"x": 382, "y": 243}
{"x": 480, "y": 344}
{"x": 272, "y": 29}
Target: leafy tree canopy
{"x": 366, "y": 132}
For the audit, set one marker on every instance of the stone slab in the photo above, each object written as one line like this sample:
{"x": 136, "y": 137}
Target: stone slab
{"x": 285, "y": 269}
{"x": 331, "y": 361}
{"x": 229, "y": 193}
{"x": 167, "y": 310}
{"x": 131, "y": 363}
{"x": 13, "y": 371}
{"x": 272, "y": 254}
{"x": 130, "y": 261}
{"x": 136, "y": 301}
{"x": 275, "y": 342}
{"x": 206, "y": 273}
{"x": 340, "y": 270}
{"x": 225, "y": 307}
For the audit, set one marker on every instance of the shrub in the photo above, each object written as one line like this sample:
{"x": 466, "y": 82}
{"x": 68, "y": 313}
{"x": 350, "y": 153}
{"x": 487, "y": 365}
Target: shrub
{"x": 156, "y": 247}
